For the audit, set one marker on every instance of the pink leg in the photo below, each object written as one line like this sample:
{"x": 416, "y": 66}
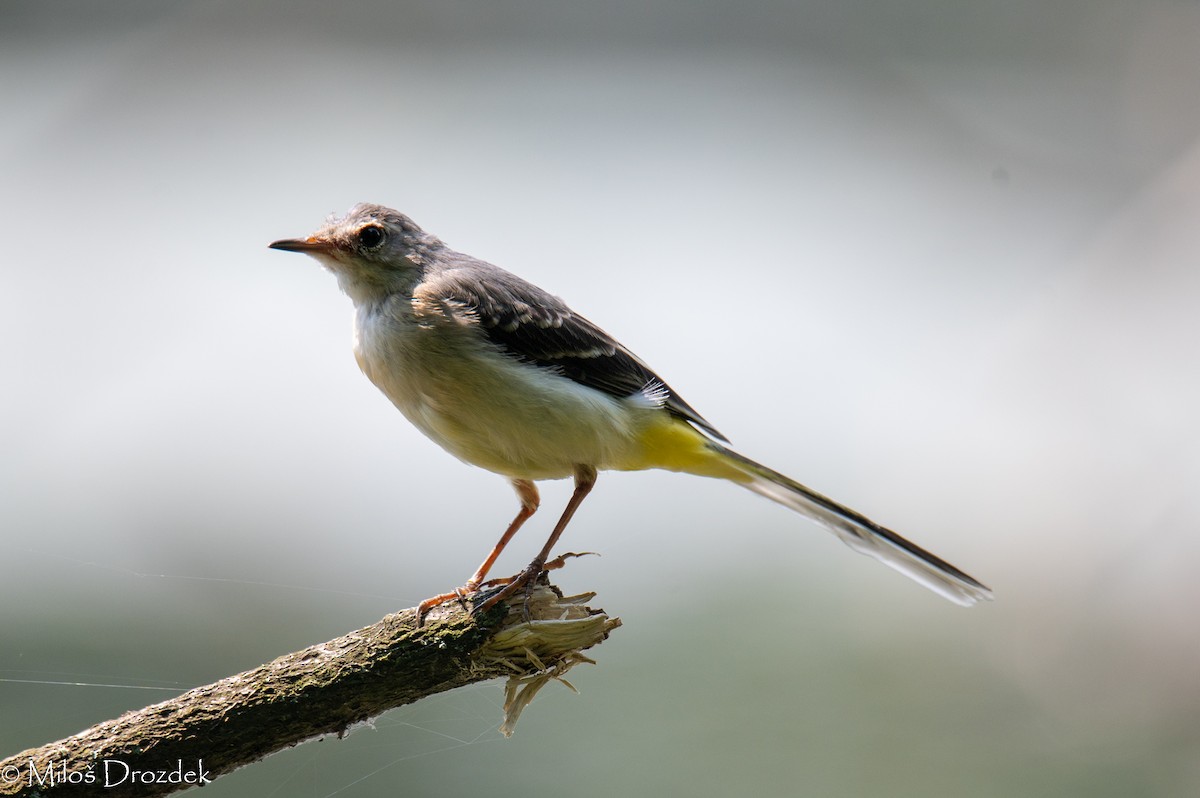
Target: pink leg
{"x": 528, "y": 493}
{"x": 585, "y": 479}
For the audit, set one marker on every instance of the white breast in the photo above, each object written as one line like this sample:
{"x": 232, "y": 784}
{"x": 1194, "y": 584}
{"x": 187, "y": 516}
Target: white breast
{"x": 485, "y": 407}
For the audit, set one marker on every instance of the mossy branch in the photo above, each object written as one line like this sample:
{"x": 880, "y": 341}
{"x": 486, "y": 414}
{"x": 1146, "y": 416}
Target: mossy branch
{"x": 325, "y": 689}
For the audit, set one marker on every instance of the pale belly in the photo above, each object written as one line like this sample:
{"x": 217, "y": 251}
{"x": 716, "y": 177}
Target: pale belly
{"x": 511, "y": 418}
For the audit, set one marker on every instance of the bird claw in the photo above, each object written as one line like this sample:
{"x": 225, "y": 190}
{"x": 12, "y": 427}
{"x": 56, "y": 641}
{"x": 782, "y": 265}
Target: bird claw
{"x": 508, "y": 585}
{"x": 511, "y": 585}
{"x": 459, "y": 594}
{"x": 561, "y": 560}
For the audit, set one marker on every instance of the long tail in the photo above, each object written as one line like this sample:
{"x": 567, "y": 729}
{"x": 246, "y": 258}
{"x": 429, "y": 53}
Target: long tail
{"x": 859, "y": 532}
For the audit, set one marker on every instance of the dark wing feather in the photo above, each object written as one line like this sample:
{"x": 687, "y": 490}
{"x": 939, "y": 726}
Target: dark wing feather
{"x": 538, "y": 328}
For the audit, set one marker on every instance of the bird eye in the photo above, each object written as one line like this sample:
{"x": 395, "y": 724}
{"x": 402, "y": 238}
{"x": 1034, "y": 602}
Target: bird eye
{"x": 371, "y": 236}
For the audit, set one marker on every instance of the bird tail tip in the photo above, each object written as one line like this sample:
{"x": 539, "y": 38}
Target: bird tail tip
{"x": 860, "y": 533}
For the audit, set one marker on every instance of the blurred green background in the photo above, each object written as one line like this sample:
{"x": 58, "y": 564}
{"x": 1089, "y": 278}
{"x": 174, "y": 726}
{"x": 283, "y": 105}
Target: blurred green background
{"x": 937, "y": 260}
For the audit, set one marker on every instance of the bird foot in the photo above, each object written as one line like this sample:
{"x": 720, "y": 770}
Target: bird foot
{"x": 527, "y": 579}
{"x": 459, "y": 594}
{"x": 509, "y": 585}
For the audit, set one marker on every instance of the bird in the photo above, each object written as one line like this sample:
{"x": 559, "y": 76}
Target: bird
{"x": 506, "y": 376}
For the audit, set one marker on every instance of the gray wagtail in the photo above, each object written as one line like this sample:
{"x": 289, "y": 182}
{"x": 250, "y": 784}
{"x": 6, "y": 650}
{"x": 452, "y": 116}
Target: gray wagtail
{"x": 505, "y": 376}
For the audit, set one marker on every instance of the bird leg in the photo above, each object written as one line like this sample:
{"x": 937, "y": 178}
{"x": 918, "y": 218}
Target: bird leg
{"x": 528, "y": 494}
{"x": 585, "y": 479}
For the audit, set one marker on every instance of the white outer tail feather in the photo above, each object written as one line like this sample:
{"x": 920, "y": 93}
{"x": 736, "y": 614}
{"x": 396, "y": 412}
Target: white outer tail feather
{"x": 862, "y": 534}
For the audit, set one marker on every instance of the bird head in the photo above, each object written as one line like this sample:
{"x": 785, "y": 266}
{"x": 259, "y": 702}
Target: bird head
{"x": 370, "y": 247}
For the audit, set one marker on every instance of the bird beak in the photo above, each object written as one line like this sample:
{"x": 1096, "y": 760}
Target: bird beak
{"x": 310, "y": 244}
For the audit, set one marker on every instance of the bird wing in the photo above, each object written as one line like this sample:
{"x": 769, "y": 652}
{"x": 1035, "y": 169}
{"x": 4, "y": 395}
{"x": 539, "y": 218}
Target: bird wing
{"x": 538, "y": 328}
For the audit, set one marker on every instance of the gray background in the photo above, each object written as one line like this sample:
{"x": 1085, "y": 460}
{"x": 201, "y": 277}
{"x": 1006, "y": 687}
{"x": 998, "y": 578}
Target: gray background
{"x": 938, "y": 260}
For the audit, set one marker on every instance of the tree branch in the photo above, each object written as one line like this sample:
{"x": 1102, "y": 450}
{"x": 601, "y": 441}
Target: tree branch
{"x": 324, "y": 689}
